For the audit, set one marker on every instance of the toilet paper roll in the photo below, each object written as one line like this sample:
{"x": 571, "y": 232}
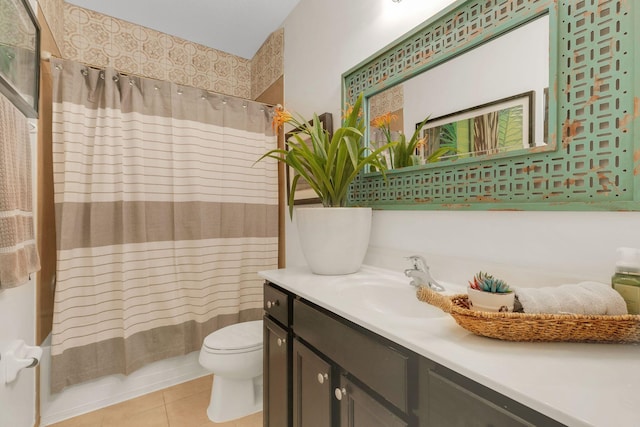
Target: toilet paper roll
{"x": 19, "y": 356}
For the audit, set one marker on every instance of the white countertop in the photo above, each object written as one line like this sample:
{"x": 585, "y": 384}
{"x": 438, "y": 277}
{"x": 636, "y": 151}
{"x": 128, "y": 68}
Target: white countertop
{"x": 574, "y": 383}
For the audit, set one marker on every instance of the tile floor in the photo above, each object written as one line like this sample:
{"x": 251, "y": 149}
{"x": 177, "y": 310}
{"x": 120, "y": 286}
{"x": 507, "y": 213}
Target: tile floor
{"x": 183, "y": 405}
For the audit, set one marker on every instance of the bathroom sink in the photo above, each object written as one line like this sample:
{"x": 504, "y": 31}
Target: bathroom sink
{"x": 396, "y": 301}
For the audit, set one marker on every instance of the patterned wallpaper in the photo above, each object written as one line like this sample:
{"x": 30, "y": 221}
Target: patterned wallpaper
{"x": 53, "y": 11}
{"x": 100, "y": 40}
{"x": 267, "y": 64}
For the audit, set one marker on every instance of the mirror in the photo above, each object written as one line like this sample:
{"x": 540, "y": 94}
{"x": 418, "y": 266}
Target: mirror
{"x": 486, "y": 101}
{"x": 19, "y": 55}
{"x": 591, "y": 159}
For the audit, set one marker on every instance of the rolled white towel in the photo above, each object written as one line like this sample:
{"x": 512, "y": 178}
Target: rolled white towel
{"x": 615, "y": 304}
{"x": 581, "y": 298}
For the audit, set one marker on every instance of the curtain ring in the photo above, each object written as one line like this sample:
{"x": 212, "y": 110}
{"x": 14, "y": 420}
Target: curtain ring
{"x": 116, "y": 78}
{"x": 102, "y": 75}
{"x": 84, "y": 72}
{"x": 179, "y": 91}
{"x": 131, "y": 82}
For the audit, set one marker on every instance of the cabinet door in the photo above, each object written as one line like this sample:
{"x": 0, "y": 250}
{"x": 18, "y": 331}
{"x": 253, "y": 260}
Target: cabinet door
{"x": 450, "y": 399}
{"x": 311, "y": 388}
{"x": 276, "y": 375}
{"x": 360, "y": 354}
{"x": 358, "y": 409}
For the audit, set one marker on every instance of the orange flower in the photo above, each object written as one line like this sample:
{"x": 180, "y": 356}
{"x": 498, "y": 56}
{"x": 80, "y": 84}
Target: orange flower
{"x": 421, "y": 143}
{"x": 346, "y": 113}
{"x": 384, "y": 121}
{"x": 280, "y": 117}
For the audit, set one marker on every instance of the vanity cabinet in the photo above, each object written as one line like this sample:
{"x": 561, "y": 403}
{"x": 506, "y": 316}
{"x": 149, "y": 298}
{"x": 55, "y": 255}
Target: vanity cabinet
{"x": 322, "y": 370}
{"x": 319, "y": 401}
{"x": 344, "y": 376}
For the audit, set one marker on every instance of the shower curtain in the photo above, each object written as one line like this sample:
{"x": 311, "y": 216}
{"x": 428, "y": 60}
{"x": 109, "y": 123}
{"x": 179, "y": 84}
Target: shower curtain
{"x": 162, "y": 218}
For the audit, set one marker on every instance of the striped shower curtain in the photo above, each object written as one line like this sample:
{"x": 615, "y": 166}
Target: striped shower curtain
{"x": 162, "y": 218}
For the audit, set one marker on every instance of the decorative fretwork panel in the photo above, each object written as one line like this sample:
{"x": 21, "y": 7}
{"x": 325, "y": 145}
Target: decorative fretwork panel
{"x": 589, "y": 158}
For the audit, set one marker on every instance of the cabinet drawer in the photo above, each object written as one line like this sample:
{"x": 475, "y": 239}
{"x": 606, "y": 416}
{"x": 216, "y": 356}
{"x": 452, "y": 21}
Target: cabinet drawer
{"x": 276, "y": 304}
{"x": 383, "y": 368}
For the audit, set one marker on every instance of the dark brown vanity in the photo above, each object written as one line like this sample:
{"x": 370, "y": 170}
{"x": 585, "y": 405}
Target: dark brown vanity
{"x": 323, "y": 370}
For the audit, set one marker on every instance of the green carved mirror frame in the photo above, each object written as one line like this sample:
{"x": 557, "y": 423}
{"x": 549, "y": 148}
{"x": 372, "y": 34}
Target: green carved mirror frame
{"x": 592, "y": 159}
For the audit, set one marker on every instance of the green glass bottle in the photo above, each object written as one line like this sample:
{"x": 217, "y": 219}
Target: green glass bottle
{"x": 626, "y": 279}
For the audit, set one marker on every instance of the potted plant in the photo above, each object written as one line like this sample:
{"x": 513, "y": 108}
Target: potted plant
{"x": 486, "y": 293}
{"x": 334, "y": 239}
{"x": 403, "y": 153}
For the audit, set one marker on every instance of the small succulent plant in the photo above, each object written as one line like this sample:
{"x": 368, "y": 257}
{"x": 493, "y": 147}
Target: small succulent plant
{"x": 487, "y": 283}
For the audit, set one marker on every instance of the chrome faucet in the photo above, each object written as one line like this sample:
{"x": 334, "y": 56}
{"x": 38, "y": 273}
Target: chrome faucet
{"x": 420, "y": 274}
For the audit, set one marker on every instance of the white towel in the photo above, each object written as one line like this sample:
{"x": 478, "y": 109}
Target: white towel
{"x": 581, "y": 298}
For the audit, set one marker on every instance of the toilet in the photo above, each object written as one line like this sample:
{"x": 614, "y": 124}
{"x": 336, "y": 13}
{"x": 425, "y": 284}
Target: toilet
{"x": 234, "y": 355}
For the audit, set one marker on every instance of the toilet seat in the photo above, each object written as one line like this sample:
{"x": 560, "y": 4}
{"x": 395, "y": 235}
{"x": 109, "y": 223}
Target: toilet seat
{"x": 239, "y": 338}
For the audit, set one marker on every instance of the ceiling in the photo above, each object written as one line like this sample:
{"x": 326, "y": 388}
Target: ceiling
{"x": 234, "y": 26}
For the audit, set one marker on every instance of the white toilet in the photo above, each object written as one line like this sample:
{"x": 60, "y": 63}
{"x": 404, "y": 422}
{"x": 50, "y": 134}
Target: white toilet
{"x": 234, "y": 355}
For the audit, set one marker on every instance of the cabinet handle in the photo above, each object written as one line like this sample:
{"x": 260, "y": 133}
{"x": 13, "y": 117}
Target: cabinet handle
{"x": 271, "y": 304}
{"x": 340, "y": 393}
{"x": 281, "y": 341}
{"x": 322, "y": 378}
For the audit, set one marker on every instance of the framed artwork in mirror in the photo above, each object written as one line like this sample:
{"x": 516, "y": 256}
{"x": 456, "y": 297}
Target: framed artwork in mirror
{"x": 304, "y": 192}
{"x": 19, "y": 55}
{"x": 495, "y": 127}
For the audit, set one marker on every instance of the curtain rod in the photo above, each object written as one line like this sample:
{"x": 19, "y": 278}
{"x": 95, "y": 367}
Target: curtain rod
{"x": 45, "y": 55}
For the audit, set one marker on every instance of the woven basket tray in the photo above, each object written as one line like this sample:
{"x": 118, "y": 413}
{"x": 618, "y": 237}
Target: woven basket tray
{"x": 536, "y": 327}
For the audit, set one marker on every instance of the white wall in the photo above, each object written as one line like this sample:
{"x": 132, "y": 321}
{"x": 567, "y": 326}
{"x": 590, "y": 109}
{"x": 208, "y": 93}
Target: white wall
{"x": 17, "y": 314}
{"x": 324, "y": 38}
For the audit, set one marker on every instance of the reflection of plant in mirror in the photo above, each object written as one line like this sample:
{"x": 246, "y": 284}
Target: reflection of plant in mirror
{"x": 404, "y": 153}
{"x": 510, "y": 122}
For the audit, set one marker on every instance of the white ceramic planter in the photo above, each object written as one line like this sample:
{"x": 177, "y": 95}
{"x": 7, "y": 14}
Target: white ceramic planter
{"x": 334, "y": 241}
{"x": 489, "y": 301}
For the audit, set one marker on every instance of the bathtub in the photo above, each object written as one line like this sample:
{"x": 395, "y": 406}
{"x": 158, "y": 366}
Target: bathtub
{"x": 96, "y": 394}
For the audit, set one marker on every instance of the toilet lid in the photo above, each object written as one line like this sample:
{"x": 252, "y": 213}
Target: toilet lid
{"x": 241, "y": 336}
